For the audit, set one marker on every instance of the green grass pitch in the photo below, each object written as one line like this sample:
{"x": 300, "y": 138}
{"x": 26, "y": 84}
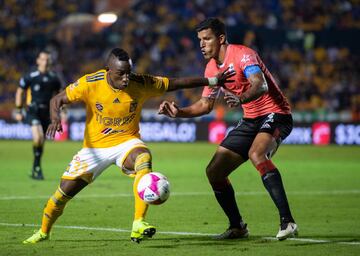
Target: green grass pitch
{"x": 323, "y": 186}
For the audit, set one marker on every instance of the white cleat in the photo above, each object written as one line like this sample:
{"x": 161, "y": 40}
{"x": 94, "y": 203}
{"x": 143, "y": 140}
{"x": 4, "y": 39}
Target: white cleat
{"x": 286, "y": 230}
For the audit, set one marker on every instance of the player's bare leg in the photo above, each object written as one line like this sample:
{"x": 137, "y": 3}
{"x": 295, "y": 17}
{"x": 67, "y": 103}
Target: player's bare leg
{"x": 38, "y": 145}
{"x": 138, "y": 163}
{"x": 221, "y": 165}
{"x": 263, "y": 147}
{"x": 55, "y": 207}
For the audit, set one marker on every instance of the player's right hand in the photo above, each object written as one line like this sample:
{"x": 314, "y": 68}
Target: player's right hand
{"x": 54, "y": 127}
{"x": 168, "y": 109}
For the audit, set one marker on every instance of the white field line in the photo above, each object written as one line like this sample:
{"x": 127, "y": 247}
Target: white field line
{"x": 251, "y": 193}
{"x": 307, "y": 240}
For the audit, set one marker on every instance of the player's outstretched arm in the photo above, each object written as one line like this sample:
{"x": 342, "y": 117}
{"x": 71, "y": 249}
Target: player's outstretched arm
{"x": 56, "y": 103}
{"x": 199, "y": 108}
{"x": 191, "y": 82}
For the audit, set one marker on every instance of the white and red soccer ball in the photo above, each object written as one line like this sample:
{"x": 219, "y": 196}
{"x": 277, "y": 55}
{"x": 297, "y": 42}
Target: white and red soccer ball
{"x": 154, "y": 188}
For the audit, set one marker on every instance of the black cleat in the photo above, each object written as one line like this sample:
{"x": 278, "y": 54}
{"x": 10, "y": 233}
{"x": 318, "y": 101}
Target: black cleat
{"x": 149, "y": 232}
{"x": 37, "y": 174}
{"x": 234, "y": 233}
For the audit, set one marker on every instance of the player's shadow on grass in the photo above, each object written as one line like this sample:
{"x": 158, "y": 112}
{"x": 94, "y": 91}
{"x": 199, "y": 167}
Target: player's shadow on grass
{"x": 202, "y": 241}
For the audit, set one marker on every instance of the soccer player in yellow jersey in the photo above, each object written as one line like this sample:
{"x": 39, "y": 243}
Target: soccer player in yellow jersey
{"x": 113, "y": 98}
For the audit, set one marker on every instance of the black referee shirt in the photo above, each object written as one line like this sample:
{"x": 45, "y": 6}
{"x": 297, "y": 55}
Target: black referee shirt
{"x": 42, "y": 86}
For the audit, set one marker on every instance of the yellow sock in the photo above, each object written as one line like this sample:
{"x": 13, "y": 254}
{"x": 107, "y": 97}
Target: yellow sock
{"x": 142, "y": 167}
{"x": 53, "y": 209}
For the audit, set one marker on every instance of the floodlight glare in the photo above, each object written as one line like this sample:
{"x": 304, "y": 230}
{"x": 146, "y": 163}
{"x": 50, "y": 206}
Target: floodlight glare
{"x": 107, "y": 17}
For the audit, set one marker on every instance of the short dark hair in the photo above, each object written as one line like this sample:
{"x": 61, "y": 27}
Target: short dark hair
{"x": 216, "y": 25}
{"x": 120, "y": 54}
{"x": 46, "y": 51}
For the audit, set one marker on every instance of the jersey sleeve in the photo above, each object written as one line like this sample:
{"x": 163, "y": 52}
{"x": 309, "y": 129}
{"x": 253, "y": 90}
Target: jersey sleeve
{"x": 24, "y": 82}
{"x": 155, "y": 85}
{"x": 247, "y": 58}
{"x": 77, "y": 91}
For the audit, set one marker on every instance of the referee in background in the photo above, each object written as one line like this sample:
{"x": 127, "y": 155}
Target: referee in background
{"x": 34, "y": 93}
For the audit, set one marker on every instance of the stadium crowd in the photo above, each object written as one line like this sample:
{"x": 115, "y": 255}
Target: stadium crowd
{"x": 160, "y": 37}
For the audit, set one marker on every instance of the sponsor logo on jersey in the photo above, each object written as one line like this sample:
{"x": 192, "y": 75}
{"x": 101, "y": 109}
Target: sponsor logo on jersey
{"x": 45, "y": 79}
{"x": 133, "y": 106}
{"x": 116, "y": 100}
{"x": 110, "y": 131}
{"x": 99, "y": 106}
{"x": 116, "y": 121}
{"x": 245, "y": 58}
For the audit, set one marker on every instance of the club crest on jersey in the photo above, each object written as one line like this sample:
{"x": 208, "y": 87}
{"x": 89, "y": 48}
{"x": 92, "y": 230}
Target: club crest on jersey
{"x": 231, "y": 67}
{"x": 36, "y": 87}
{"x": 133, "y": 106}
{"x": 99, "y": 106}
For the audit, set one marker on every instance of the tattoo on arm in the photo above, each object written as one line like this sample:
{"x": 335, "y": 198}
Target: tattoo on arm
{"x": 258, "y": 87}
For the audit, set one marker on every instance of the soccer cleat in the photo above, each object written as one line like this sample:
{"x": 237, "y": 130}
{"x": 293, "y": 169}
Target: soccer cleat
{"x": 234, "y": 233}
{"x": 37, "y": 174}
{"x": 38, "y": 236}
{"x": 287, "y": 229}
{"x": 140, "y": 230}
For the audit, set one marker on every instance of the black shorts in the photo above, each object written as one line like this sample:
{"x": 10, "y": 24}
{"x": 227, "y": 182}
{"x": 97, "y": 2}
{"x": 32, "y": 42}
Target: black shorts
{"x": 242, "y": 136}
{"x": 36, "y": 115}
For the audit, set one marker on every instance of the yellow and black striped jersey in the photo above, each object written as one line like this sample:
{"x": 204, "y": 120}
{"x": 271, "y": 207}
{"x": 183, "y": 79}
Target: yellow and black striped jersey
{"x": 113, "y": 116}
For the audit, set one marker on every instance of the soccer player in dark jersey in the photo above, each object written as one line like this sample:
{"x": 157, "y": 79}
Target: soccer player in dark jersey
{"x": 267, "y": 121}
{"x": 39, "y": 86}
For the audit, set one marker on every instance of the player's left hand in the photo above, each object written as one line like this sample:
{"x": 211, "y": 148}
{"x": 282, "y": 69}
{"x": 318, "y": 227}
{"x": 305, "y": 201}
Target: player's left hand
{"x": 231, "y": 99}
{"x": 54, "y": 127}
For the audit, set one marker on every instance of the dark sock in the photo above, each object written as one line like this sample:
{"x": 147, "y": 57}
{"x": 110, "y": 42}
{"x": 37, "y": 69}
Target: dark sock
{"x": 226, "y": 198}
{"x": 273, "y": 184}
{"x": 38, "y": 150}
